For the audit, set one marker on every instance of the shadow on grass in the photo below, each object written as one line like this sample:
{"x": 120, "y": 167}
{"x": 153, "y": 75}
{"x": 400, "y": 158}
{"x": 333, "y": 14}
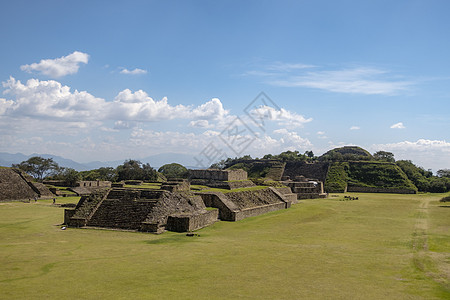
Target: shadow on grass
{"x": 174, "y": 239}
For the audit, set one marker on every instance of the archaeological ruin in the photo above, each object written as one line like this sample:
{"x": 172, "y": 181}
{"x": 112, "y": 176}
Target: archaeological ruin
{"x": 17, "y": 185}
{"x": 175, "y": 207}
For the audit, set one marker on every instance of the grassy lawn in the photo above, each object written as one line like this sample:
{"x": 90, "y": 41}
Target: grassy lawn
{"x": 381, "y": 246}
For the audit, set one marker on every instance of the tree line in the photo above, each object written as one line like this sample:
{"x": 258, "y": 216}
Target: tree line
{"x": 46, "y": 168}
{"x": 42, "y": 168}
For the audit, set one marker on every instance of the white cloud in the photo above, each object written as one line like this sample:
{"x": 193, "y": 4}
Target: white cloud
{"x": 292, "y": 139}
{"x": 136, "y": 71}
{"x": 355, "y": 128}
{"x": 357, "y": 80}
{"x": 138, "y": 106}
{"x": 286, "y": 67}
{"x": 320, "y": 132}
{"x": 282, "y": 116}
{"x": 58, "y": 67}
{"x": 434, "y": 154}
{"x": 5, "y": 105}
{"x": 212, "y": 109}
{"x": 398, "y": 126}
{"x": 50, "y": 99}
{"x": 200, "y": 124}
{"x": 122, "y": 125}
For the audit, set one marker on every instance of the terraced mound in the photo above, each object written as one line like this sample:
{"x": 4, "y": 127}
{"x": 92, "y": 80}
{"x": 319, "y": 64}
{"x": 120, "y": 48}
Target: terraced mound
{"x": 15, "y": 185}
{"x": 375, "y": 177}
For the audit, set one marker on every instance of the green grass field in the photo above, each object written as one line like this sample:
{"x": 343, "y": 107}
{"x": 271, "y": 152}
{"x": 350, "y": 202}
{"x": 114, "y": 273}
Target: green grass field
{"x": 379, "y": 247}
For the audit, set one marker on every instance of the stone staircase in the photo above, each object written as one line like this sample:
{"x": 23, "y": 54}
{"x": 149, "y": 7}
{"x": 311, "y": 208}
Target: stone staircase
{"x": 124, "y": 209}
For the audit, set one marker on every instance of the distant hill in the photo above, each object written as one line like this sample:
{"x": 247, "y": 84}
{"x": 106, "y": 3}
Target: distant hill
{"x": 347, "y": 153}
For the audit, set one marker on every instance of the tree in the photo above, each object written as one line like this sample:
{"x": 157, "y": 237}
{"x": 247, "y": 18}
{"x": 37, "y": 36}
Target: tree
{"x": 38, "y": 167}
{"x": 310, "y": 154}
{"x": 135, "y": 170}
{"x": 70, "y": 176}
{"x": 443, "y": 173}
{"x": 103, "y": 173}
{"x": 174, "y": 170}
{"x": 384, "y": 156}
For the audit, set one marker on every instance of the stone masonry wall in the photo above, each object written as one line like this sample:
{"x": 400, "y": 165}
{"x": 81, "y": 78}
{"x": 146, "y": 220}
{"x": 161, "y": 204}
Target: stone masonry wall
{"x": 317, "y": 170}
{"x": 218, "y": 175}
{"x": 190, "y": 222}
{"x": 364, "y": 189}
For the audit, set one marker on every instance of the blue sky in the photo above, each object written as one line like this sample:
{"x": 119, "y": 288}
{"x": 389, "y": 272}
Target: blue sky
{"x": 111, "y": 80}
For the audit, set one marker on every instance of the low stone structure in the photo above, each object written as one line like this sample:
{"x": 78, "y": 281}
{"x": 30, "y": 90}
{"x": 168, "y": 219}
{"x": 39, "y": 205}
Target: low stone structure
{"x": 221, "y": 179}
{"x": 305, "y": 188}
{"x": 137, "y": 209}
{"x": 235, "y": 206}
{"x": 189, "y": 222}
{"x": 176, "y": 185}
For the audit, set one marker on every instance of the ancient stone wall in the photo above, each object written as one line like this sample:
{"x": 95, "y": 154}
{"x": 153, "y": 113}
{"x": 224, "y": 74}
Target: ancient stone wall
{"x": 190, "y": 222}
{"x": 317, "y": 170}
{"x": 218, "y": 175}
{"x": 365, "y": 189}
{"x": 96, "y": 183}
{"x": 176, "y": 185}
{"x": 259, "y": 210}
{"x": 235, "y": 206}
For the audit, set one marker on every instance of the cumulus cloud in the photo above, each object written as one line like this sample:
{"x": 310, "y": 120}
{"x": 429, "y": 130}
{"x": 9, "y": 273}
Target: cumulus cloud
{"x": 138, "y": 106}
{"x": 282, "y": 116}
{"x": 49, "y": 99}
{"x": 292, "y": 139}
{"x": 355, "y": 128}
{"x": 5, "y": 105}
{"x": 58, "y": 67}
{"x": 212, "y": 109}
{"x": 398, "y": 126}
{"x": 136, "y": 71}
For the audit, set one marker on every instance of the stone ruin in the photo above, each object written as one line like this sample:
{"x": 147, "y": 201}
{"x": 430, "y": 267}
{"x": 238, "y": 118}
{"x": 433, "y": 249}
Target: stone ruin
{"x": 221, "y": 179}
{"x": 305, "y": 188}
{"x": 81, "y": 187}
{"x": 17, "y": 185}
{"x": 145, "y": 210}
{"x": 174, "y": 207}
{"x": 218, "y": 175}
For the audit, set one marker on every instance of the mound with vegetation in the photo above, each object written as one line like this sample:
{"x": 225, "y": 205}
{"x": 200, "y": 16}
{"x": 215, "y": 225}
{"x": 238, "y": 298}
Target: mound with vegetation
{"x": 367, "y": 176}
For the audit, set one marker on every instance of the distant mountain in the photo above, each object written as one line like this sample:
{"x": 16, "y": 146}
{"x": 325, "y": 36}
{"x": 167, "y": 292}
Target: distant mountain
{"x": 7, "y": 159}
{"x": 156, "y": 161}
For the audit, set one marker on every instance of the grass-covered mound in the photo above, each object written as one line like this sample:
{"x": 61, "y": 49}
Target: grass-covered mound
{"x": 379, "y": 175}
{"x": 346, "y": 153}
{"x": 336, "y": 181}
{"x": 360, "y": 175}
